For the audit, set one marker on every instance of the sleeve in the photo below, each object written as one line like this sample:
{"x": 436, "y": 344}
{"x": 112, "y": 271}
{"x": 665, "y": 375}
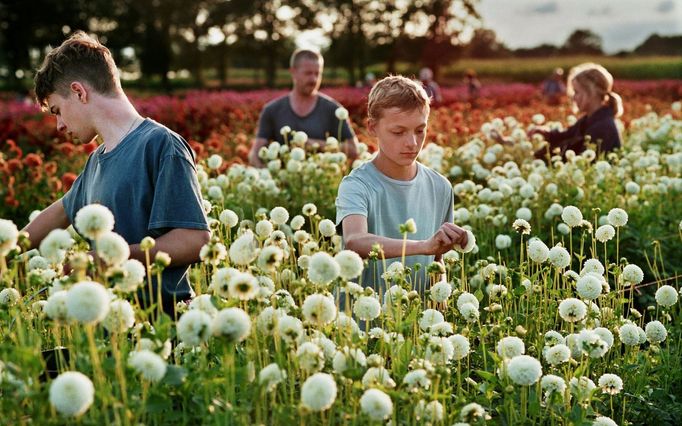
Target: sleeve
{"x": 450, "y": 212}
{"x": 72, "y": 201}
{"x": 352, "y": 198}
{"x": 266, "y": 125}
{"x": 177, "y": 197}
{"x": 604, "y": 135}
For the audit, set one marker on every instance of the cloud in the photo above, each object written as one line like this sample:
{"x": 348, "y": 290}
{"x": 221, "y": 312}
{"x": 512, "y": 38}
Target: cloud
{"x": 547, "y": 8}
{"x": 665, "y": 6}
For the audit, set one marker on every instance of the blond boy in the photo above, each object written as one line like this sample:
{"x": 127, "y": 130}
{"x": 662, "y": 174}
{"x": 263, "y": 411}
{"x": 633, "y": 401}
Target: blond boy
{"x": 375, "y": 198}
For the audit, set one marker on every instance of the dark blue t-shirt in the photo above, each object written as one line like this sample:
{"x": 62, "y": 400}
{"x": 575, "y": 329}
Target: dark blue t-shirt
{"x": 320, "y": 123}
{"x": 149, "y": 183}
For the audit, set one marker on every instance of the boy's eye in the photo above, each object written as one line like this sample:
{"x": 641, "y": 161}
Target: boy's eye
{"x": 397, "y": 132}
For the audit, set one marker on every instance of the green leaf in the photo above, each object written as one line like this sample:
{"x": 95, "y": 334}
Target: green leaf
{"x": 175, "y": 375}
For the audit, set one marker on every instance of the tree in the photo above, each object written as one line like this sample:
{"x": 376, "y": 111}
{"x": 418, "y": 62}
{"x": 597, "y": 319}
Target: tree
{"x": 484, "y": 44}
{"x": 583, "y": 42}
{"x": 660, "y": 45}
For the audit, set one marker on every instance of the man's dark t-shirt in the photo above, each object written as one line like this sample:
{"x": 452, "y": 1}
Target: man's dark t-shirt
{"x": 149, "y": 183}
{"x": 320, "y": 123}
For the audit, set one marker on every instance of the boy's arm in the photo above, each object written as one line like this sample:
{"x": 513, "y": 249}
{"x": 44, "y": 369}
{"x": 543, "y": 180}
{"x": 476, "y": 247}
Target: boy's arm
{"x": 254, "y": 159}
{"x": 53, "y": 217}
{"x": 181, "y": 244}
{"x": 357, "y": 238}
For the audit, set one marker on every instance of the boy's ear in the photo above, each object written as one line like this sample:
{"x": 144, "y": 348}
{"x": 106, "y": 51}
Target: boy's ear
{"x": 80, "y": 91}
{"x": 371, "y": 126}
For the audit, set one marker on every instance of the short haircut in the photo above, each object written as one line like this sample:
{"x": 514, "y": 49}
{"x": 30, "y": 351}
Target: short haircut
{"x": 79, "y": 58}
{"x": 396, "y": 91}
{"x": 301, "y": 54}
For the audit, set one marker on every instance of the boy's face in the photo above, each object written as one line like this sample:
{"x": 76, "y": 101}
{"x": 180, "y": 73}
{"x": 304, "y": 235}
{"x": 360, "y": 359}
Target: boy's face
{"x": 400, "y": 134}
{"x": 307, "y": 76}
{"x": 70, "y": 113}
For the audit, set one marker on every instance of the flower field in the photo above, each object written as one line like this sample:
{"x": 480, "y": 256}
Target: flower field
{"x": 564, "y": 311}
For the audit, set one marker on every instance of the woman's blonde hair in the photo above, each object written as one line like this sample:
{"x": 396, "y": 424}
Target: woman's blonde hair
{"x": 396, "y": 91}
{"x": 598, "y": 81}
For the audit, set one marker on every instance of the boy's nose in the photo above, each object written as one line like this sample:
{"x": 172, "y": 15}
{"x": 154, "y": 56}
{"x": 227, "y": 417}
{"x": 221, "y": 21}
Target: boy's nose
{"x": 60, "y": 125}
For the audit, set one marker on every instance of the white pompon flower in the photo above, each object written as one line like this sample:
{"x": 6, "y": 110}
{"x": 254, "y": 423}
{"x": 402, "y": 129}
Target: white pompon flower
{"x": 572, "y": 216}
{"x": 297, "y": 222}
{"x": 633, "y": 274}
{"x": 461, "y": 346}
{"x": 194, "y": 327}
{"x": 72, "y": 393}
{"x": 318, "y": 392}
{"x": 9, "y": 235}
{"x": 318, "y": 309}
{"x": 629, "y": 334}
{"x": 309, "y": 209}
{"x": 341, "y": 113}
{"x": 290, "y": 328}
{"x": 9, "y": 297}
{"x": 572, "y": 310}
{"x": 232, "y": 324}
{"x": 214, "y": 162}
{"x": 134, "y": 274}
{"x": 559, "y": 257}
{"x": 441, "y": 291}
{"x": 603, "y": 421}
{"x": 617, "y": 217}
{"x": 310, "y": 357}
{"x": 299, "y": 138}
{"x": 610, "y": 384}
{"x": 55, "y": 308}
{"x": 87, "y": 302}
{"x": 524, "y": 370}
{"x": 327, "y": 228}
{"x": 666, "y": 296}
{"x": 376, "y": 404}
{"x": 471, "y": 243}
{"x": 204, "y": 303}
{"x": 243, "y": 286}
{"x": 112, "y": 248}
{"x": 229, "y": 218}
{"x": 589, "y": 286}
{"x": 94, "y": 220}
{"x": 271, "y": 375}
{"x": 557, "y": 354}
{"x": 148, "y": 364}
{"x": 552, "y": 384}
{"x": 430, "y": 413}
{"x": 377, "y": 376}
{"x": 322, "y": 268}
{"x": 244, "y": 249}
{"x": 55, "y": 245}
{"x": 429, "y": 318}
{"x": 367, "y": 308}
{"x": 604, "y": 233}
{"x": 279, "y": 215}
{"x": 285, "y": 130}
{"x": 351, "y": 264}
{"x": 417, "y": 379}
{"x": 538, "y": 251}
{"x": 656, "y": 332}
{"x": 120, "y": 318}
{"x": 510, "y": 347}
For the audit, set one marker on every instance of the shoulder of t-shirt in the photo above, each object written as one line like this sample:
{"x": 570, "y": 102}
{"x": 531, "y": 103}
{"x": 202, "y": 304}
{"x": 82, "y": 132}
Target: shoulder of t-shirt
{"x": 276, "y": 103}
{"x": 361, "y": 176}
{"x": 166, "y": 142}
{"x": 437, "y": 178}
{"x": 328, "y": 100}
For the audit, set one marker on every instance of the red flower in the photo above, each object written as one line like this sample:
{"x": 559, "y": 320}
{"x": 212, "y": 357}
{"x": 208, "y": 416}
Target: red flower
{"x": 89, "y": 147}
{"x": 14, "y": 164}
{"x": 68, "y": 179}
{"x": 33, "y": 160}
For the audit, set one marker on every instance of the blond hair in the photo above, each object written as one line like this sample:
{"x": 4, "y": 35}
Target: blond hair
{"x": 595, "y": 79}
{"x": 80, "y": 58}
{"x": 396, "y": 91}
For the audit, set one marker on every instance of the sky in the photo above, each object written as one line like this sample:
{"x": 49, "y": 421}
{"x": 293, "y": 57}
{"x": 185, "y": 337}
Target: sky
{"x": 622, "y": 24}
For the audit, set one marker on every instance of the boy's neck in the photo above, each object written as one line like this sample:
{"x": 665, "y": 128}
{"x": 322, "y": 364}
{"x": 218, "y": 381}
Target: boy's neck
{"x": 393, "y": 170}
{"x": 117, "y": 120}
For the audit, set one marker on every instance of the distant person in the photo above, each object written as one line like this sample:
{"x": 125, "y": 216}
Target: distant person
{"x": 473, "y": 87}
{"x": 553, "y": 88}
{"x": 370, "y": 80}
{"x": 143, "y": 172}
{"x": 430, "y": 86}
{"x": 590, "y": 86}
{"x": 303, "y": 109}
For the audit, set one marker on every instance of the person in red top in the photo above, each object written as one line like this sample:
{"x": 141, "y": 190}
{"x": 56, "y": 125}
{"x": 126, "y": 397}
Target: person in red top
{"x": 590, "y": 86}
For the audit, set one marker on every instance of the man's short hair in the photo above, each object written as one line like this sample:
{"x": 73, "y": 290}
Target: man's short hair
{"x": 396, "y": 91}
{"x": 79, "y": 58}
{"x": 301, "y": 54}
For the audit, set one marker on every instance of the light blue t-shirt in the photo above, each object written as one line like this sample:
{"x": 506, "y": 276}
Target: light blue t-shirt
{"x": 149, "y": 183}
{"x": 387, "y": 203}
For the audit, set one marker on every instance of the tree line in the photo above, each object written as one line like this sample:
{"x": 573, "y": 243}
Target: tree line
{"x": 200, "y": 35}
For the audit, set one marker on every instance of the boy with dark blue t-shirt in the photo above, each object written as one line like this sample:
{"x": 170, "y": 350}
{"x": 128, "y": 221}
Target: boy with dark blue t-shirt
{"x": 143, "y": 172}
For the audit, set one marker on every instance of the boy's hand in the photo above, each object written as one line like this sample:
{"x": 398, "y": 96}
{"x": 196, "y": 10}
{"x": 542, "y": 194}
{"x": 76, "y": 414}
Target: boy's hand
{"x": 447, "y": 236}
